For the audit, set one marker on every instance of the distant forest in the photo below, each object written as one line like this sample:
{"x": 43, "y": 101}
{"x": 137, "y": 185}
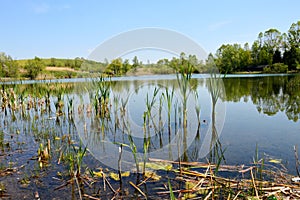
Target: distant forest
{"x": 272, "y": 52}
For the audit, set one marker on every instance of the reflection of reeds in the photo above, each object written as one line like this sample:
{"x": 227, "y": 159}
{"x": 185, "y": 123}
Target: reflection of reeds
{"x": 169, "y": 99}
{"x": 214, "y": 85}
{"x": 150, "y": 103}
{"x": 183, "y": 80}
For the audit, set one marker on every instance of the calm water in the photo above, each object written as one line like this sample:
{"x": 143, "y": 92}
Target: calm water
{"x": 262, "y": 111}
{"x": 249, "y": 111}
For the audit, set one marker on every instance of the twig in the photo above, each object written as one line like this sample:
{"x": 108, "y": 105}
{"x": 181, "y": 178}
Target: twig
{"x": 109, "y": 185}
{"x": 91, "y": 197}
{"x": 236, "y": 196}
{"x": 119, "y": 166}
{"x": 297, "y": 159}
{"x": 79, "y": 191}
{"x": 253, "y": 182}
{"x": 209, "y": 194}
{"x": 138, "y": 189}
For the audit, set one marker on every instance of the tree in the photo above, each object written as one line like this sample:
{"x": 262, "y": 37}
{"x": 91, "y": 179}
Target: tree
{"x": 34, "y": 67}
{"x": 52, "y": 62}
{"x": 265, "y": 57}
{"x": 292, "y": 58}
{"x": 8, "y": 66}
{"x": 136, "y": 63}
{"x": 246, "y": 58}
{"x": 255, "y": 50}
{"x": 294, "y": 34}
{"x": 277, "y": 57}
{"x": 126, "y": 66}
{"x": 115, "y": 67}
{"x": 231, "y": 58}
{"x": 272, "y": 40}
{"x": 77, "y": 63}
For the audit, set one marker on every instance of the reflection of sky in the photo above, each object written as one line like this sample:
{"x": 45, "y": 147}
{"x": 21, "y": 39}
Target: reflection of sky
{"x": 245, "y": 127}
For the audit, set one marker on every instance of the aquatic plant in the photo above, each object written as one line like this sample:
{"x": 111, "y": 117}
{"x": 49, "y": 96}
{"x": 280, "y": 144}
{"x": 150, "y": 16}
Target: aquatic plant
{"x": 102, "y": 97}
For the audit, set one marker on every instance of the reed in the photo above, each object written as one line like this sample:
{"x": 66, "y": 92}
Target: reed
{"x": 102, "y": 97}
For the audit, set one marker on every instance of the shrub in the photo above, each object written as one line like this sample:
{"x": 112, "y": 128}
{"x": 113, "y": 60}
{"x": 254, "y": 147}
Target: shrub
{"x": 276, "y": 68}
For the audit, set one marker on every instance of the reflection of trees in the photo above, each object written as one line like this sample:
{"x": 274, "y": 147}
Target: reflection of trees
{"x": 270, "y": 94}
{"x": 293, "y": 103}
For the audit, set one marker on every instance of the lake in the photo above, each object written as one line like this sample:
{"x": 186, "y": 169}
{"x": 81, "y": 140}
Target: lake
{"x": 237, "y": 119}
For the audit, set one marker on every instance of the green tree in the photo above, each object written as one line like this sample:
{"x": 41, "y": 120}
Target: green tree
{"x": 292, "y": 58}
{"x": 277, "y": 58}
{"x": 34, "y": 67}
{"x": 228, "y": 58}
{"x": 115, "y": 67}
{"x": 246, "y": 58}
{"x": 294, "y": 34}
{"x": 135, "y": 63}
{"x": 8, "y": 66}
{"x": 52, "y": 62}
{"x": 272, "y": 40}
{"x": 126, "y": 66}
{"x": 265, "y": 57}
{"x": 77, "y": 63}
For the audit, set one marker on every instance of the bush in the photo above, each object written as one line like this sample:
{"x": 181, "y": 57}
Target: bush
{"x": 34, "y": 67}
{"x": 276, "y": 68}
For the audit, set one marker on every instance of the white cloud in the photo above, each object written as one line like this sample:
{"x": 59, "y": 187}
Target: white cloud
{"x": 41, "y": 8}
{"x": 219, "y": 25}
{"x": 45, "y": 8}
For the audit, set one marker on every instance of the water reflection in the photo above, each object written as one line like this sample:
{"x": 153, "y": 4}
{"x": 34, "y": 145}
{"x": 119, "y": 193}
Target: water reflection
{"x": 103, "y": 127}
{"x": 214, "y": 85}
{"x": 270, "y": 94}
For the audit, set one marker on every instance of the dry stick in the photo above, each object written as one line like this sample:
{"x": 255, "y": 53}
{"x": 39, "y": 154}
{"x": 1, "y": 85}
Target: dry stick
{"x": 199, "y": 184}
{"x": 297, "y": 159}
{"x": 119, "y": 166}
{"x": 79, "y": 192}
{"x": 228, "y": 198}
{"x": 253, "y": 182}
{"x": 109, "y": 185}
{"x": 209, "y": 194}
{"x": 91, "y": 197}
{"x": 138, "y": 189}
{"x": 144, "y": 181}
{"x": 236, "y": 196}
{"x": 211, "y": 183}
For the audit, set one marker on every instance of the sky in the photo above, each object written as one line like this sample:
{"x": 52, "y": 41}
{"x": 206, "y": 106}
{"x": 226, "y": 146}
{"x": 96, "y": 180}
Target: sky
{"x": 69, "y": 29}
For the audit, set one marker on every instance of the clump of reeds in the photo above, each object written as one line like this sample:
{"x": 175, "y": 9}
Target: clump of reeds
{"x": 101, "y": 100}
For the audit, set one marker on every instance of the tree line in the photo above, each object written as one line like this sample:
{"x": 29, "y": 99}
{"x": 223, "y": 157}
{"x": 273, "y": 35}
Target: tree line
{"x": 271, "y": 52}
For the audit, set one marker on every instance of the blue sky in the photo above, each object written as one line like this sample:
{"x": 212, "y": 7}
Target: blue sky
{"x": 69, "y": 29}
